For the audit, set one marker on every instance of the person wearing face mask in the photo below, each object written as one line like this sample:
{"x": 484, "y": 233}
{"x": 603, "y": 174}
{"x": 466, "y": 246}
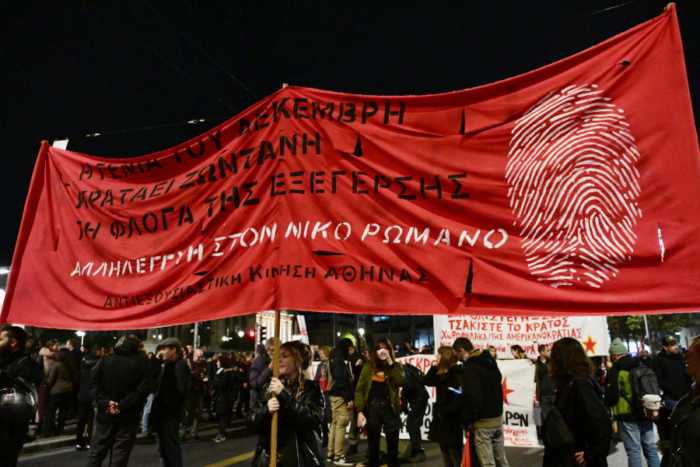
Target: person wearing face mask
{"x": 377, "y": 401}
{"x": 298, "y": 400}
{"x": 342, "y": 394}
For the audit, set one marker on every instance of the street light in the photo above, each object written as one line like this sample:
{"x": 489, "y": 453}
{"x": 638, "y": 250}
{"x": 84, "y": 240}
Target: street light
{"x": 241, "y": 333}
{"x": 361, "y": 332}
{"x": 82, "y": 336}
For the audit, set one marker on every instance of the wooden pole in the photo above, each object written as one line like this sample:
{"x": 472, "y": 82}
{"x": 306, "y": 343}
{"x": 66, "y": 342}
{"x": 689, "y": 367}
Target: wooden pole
{"x": 276, "y": 374}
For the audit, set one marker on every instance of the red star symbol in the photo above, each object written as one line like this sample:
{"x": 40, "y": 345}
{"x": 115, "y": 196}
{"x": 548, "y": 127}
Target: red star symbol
{"x": 590, "y": 345}
{"x": 506, "y": 391}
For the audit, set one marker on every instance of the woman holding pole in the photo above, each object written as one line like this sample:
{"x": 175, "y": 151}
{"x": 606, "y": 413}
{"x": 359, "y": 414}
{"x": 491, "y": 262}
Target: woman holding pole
{"x": 298, "y": 402}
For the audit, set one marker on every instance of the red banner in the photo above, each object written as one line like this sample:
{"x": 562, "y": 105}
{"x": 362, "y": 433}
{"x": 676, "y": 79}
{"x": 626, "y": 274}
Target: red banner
{"x": 570, "y": 189}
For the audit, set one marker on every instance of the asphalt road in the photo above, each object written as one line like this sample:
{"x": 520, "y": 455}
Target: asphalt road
{"x": 238, "y": 449}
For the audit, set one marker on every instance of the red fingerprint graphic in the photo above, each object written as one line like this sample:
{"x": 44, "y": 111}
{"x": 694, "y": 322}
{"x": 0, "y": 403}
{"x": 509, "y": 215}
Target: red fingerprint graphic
{"x": 574, "y": 187}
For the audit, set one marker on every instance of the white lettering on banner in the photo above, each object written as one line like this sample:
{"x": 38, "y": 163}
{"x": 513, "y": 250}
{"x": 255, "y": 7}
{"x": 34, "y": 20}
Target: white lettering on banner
{"x": 528, "y": 332}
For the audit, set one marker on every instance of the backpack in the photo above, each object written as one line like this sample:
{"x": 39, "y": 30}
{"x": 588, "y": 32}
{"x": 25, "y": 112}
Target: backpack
{"x": 414, "y": 374}
{"x": 643, "y": 381}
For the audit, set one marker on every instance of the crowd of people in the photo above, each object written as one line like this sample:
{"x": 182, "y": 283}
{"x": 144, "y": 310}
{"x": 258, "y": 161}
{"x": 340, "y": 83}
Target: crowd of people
{"x": 116, "y": 392}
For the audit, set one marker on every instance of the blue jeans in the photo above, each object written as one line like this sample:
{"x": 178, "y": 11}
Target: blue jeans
{"x": 147, "y": 412}
{"x": 168, "y": 435}
{"x": 638, "y": 437}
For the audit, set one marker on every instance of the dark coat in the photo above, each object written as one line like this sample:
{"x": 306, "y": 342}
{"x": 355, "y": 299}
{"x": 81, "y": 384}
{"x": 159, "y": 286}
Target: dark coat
{"x": 225, "y": 385}
{"x": 482, "y": 394}
{"x": 445, "y": 428}
{"x": 260, "y": 373}
{"x": 544, "y": 385}
{"x": 172, "y": 390}
{"x": 342, "y": 379}
{"x": 125, "y": 378}
{"x": 670, "y": 371}
{"x": 18, "y": 365}
{"x": 299, "y": 427}
{"x": 84, "y": 376}
{"x": 588, "y": 420}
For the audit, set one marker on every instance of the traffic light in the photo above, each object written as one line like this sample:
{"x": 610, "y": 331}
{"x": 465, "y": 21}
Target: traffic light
{"x": 263, "y": 334}
{"x": 251, "y": 333}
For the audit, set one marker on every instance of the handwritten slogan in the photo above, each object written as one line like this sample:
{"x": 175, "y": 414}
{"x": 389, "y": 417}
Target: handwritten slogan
{"x": 529, "y": 332}
{"x": 488, "y": 201}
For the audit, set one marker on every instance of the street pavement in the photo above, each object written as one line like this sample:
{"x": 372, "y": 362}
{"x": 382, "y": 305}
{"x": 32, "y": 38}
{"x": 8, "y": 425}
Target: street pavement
{"x": 239, "y": 446}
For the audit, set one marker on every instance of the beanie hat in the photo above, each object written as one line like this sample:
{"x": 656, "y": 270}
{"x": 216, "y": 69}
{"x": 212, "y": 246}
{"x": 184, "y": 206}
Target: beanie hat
{"x": 617, "y": 347}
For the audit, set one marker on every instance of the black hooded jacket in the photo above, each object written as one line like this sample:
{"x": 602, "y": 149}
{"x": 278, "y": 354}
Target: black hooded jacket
{"x": 670, "y": 371}
{"x": 482, "y": 396}
{"x": 125, "y": 378}
{"x": 342, "y": 380}
{"x": 83, "y": 377}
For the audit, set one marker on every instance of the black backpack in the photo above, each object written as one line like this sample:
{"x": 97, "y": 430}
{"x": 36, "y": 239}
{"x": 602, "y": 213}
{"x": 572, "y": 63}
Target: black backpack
{"x": 643, "y": 381}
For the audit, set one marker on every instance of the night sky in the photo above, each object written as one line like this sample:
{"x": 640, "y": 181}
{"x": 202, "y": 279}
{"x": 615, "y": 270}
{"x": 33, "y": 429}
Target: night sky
{"x": 72, "y": 68}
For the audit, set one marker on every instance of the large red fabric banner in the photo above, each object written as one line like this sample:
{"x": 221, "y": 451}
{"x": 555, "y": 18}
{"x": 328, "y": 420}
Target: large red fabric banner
{"x": 572, "y": 189}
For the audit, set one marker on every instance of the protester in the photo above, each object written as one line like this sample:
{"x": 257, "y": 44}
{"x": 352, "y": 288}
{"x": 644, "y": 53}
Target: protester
{"x": 322, "y": 379}
{"x": 518, "y": 352}
{"x": 261, "y": 368}
{"x": 637, "y": 433}
{"x": 377, "y": 401}
{"x": 578, "y": 400}
{"x": 482, "y": 405}
{"x": 198, "y": 385}
{"x": 15, "y": 368}
{"x": 445, "y": 429}
{"x": 299, "y": 404}
{"x": 168, "y": 409}
{"x": 356, "y": 361}
{"x": 543, "y": 386}
{"x": 493, "y": 351}
{"x": 669, "y": 367}
{"x": 48, "y": 355}
{"x": 244, "y": 387}
{"x": 414, "y": 402}
{"x": 225, "y": 386}
{"x": 156, "y": 362}
{"x": 342, "y": 405}
{"x": 685, "y": 419}
{"x": 121, "y": 382}
{"x": 60, "y": 387}
{"x": 86, "y": 396}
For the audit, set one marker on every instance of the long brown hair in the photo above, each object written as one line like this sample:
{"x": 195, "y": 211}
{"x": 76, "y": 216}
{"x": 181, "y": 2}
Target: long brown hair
{"x": 568, "y": 361}
{"x": 301, "y": 353}
{"x": 373, "y": 360}
{"x": 447, "y": 359}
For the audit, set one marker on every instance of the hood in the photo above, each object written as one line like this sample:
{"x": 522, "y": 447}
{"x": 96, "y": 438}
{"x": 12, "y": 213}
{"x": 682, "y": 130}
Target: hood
{"x": 484, "y": 359}
{"x": 627, "y": 362}
{"x": 128, "y": 347}
{"x": 344, "y": 347}
{"x": 90, "y": 361}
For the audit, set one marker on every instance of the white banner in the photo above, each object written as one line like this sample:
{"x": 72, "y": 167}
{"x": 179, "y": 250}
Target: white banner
{"x": 518, "y": 399}
{"x": 527, "y": 332}
{"x": 302, "y": 329}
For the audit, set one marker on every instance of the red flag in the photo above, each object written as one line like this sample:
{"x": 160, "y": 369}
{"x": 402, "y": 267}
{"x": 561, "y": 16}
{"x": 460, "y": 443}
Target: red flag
{"x": 570, "y": 189}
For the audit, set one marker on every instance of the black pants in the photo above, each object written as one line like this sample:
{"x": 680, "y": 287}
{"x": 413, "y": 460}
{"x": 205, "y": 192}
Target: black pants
{"x": 60, "y": 402}
{"x": 11, "y": 441}
{"x": 86, "y": 416}
{"x": 243, "y": 401}
{"x": 119, "y": 438}
{"x": 380, "y": 414}
{"x": 224, "y": 421}
{"x": 414, "y": 422}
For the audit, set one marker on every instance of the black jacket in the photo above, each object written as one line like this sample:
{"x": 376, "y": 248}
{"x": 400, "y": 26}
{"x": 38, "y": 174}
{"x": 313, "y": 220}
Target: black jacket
{"x": 226, "y": 388}
{"x": 260, "y": 373}
{"x": 172, "y": 390}
{"x": 544, "y": 385}
{"x": 125, "y": 378}
{"x": 587, "y": 418}
{"x": 84, "y": 376}
{"x": 18, "y": 365}
{"x": 445, "y": 428}
{"x": 299, "y": 427}
{"x": 342, "y": 380}
{"x": 482, "y": 396}
{"x": 670, "y": 371}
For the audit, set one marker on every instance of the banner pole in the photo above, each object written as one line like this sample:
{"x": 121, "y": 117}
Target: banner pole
{"x": 276, "y": 374}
